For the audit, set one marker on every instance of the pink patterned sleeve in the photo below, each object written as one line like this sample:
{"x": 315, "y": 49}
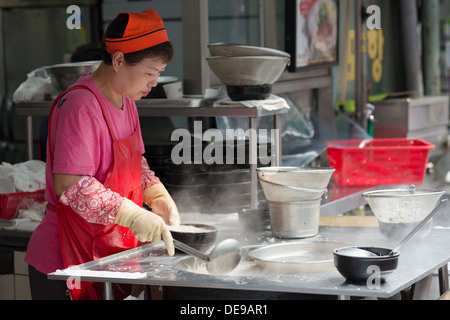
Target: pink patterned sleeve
{"x": 91, "y": 200}
{"x": 148, "y": 176}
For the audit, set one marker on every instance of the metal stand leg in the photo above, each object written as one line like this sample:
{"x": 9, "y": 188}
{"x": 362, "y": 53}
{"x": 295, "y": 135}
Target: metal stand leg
{"x": 108, "y": 292}
{"x": 253, "y": 159}
{"x": 443, "y": 280}
{"x": 30, "y": 137}
{"x": 277, "y": 140}
{"x": 421, "y": 289}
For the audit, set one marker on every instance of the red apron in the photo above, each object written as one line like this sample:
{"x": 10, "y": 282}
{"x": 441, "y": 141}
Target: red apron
{"x": 82, "y": 241}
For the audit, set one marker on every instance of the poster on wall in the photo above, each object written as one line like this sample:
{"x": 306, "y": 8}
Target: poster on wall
{"x": 312, "y": 33}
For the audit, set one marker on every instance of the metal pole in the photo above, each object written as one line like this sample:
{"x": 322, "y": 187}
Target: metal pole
{"x": 108, "y": 292}
{"x": 253, "y": 159}
{"x": 277, "y": 148}
{"x": 360, "y": 65}
{"x": 194, "y": 20}
{"x": 268, "y": 19}
{"x": 30, "y": 137}
{"x": 411, "y": 55}
{"x": 431, "y": 47}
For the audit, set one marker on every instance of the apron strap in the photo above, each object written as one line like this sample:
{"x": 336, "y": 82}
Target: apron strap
{"x": 101, "y": 107}
{"x": 55, "y": 103}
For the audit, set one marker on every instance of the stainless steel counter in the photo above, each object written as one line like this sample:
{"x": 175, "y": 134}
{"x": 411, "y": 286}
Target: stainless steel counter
{"x": 150, "y": 265}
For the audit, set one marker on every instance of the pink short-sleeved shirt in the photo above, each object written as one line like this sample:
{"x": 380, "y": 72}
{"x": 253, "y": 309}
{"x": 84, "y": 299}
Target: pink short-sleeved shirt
{"x": 82, "y": 145}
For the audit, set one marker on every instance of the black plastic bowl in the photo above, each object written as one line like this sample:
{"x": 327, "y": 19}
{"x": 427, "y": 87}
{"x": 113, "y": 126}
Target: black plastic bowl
{"x": 356, "y": 269}
{"x": 202, "y": 239}
{"x": 240, "y": 93}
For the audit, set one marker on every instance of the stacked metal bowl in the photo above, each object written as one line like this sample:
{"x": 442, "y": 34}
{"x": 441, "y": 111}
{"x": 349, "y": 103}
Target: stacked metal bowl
{"x": 294, "y": 196}
{"x": 247, "y": 71}
{"x": 64, "y": 75}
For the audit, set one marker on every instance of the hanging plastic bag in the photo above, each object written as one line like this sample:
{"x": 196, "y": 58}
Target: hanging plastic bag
{"x": 37, "y": 85}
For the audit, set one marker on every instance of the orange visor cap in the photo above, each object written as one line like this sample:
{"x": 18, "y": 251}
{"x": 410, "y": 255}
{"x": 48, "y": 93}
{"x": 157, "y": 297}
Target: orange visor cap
{"x": 143, "y": 30}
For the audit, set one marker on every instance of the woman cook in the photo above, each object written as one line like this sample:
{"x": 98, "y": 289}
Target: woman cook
{"x": 97, "y": 178}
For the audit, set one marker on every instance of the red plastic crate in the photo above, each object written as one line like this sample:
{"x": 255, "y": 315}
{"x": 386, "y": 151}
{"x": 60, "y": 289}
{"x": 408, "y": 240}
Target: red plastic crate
{"x": 10, "y": 201}
{"x": 379, "y": 161}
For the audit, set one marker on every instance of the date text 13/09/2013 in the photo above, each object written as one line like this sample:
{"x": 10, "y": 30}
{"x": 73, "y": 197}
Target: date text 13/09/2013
{"x": 231, "y": 309}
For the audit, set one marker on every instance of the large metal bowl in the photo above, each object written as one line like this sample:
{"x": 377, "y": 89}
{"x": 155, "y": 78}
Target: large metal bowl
{"x": 249, "y": 70}
{"x": 238, "y": 50}
{"x": 282, "y": 193}
{"x": 400, "y": 210}
{"x": 297, "y": 177}
{"x": 65, "y": 74}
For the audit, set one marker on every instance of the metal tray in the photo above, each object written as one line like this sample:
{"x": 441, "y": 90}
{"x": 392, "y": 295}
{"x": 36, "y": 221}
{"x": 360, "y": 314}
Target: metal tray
{"x": 295, "y": 257}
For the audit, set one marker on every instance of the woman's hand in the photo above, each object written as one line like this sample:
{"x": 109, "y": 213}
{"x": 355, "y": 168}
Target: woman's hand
{"x": 161, "y": 203}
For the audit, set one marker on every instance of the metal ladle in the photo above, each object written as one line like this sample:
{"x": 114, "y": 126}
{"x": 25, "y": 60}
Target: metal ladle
{"x": 223, "y": 258}
{"x": 362, "y": 252}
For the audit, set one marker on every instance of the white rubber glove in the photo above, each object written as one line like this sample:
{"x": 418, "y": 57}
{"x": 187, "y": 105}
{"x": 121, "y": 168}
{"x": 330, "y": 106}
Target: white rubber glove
{"x": 159, "y": 199}
{"x": 145, "y": 225}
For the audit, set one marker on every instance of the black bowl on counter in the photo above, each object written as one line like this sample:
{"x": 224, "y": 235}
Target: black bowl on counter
{"x": 240, "y": 93}
{"x": 359, "y": 269}
{"x": 198, "y": 236}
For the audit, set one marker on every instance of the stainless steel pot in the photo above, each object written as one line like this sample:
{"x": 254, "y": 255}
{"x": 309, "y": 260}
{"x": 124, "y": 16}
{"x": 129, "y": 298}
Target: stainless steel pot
{"x": 294, "y": 220}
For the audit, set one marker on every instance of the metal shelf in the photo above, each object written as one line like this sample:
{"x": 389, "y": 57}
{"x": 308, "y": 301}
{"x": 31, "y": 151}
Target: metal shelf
{"x": 179, "y": 107}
